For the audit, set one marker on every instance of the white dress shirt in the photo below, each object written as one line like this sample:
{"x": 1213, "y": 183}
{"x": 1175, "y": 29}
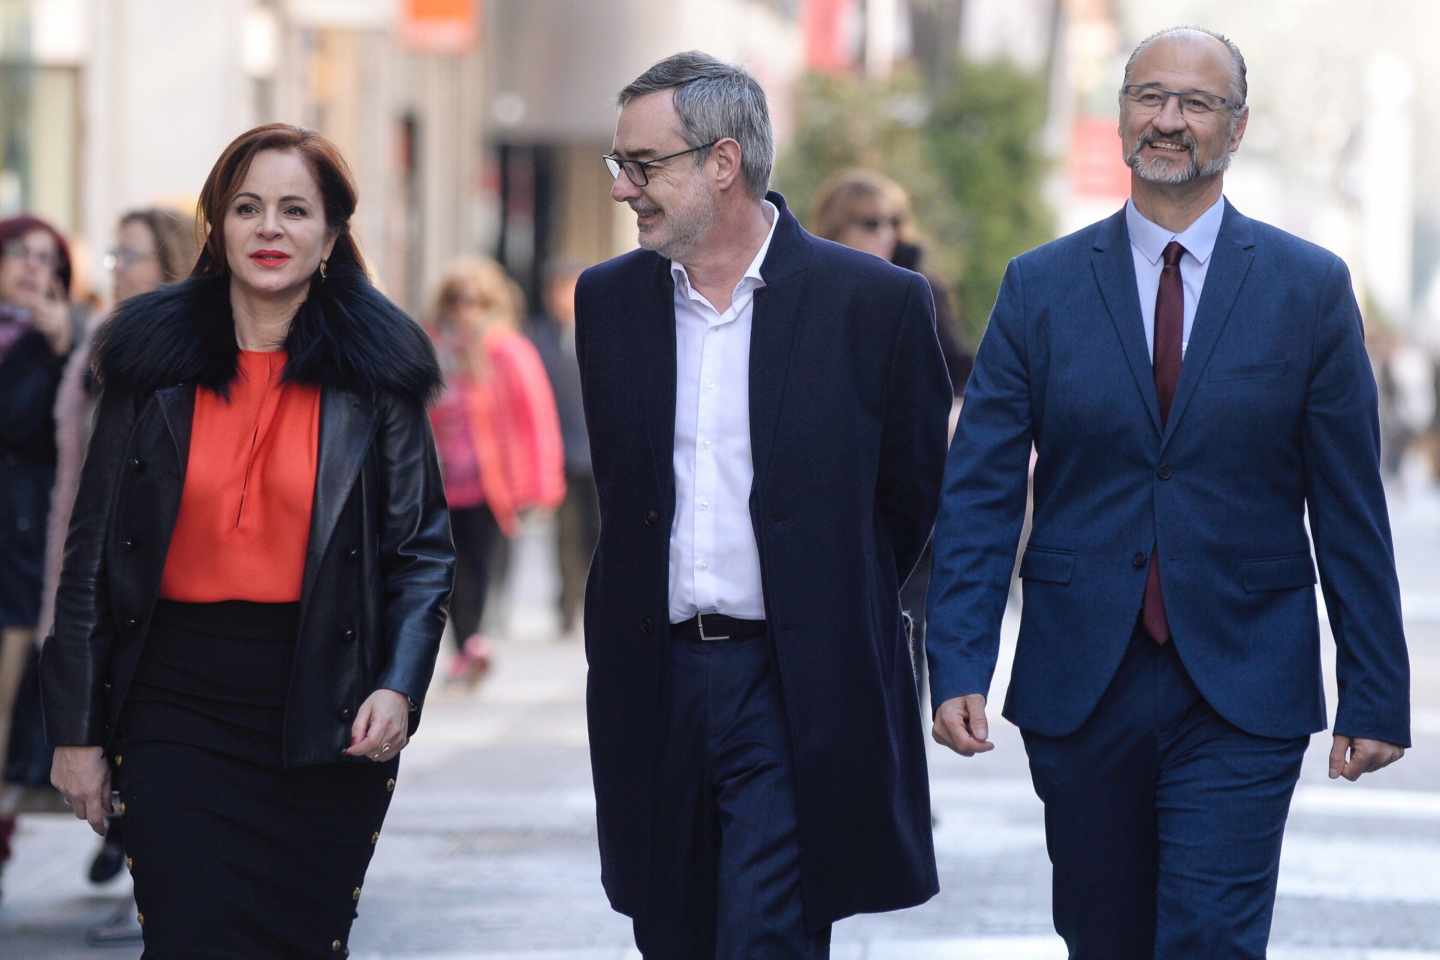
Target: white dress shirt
{"x": 1147, "y": 243}
{"x": 714, "y": 562}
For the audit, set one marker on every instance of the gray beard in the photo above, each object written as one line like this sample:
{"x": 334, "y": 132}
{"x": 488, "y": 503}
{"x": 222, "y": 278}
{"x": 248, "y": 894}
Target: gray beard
{"x": 1158, "y": 171}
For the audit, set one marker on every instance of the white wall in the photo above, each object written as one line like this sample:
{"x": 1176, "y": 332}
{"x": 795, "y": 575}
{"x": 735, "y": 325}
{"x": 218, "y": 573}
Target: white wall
{"x": 165, "y": 94}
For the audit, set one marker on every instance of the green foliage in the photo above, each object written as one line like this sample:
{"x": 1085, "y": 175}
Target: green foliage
{"x": 969, "y": 156}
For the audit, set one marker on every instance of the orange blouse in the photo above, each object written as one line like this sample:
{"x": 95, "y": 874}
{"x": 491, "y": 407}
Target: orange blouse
{"x": 244, "y": 521}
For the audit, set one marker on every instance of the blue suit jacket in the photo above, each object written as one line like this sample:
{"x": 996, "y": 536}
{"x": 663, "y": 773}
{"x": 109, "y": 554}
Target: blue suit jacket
{"x": 1275, "y": 413}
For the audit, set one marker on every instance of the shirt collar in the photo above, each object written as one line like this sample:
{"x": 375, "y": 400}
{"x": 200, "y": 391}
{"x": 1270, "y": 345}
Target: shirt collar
{"x": 752, "y": 272}
{"x": 1198, "y": 239}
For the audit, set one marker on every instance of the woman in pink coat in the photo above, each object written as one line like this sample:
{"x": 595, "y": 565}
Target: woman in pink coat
{"x": 497, "y": 433}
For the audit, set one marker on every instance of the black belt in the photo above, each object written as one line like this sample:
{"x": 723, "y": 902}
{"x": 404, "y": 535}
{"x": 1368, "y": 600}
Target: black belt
{"x": 709, "y": 627}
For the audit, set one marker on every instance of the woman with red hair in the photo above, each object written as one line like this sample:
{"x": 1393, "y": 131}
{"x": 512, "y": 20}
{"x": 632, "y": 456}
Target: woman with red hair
{"x": 256, "y": 572}
{"x": 35, "y": 338}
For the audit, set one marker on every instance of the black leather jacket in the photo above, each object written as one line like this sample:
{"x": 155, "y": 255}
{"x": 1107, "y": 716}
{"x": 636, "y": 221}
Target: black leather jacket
{"x": 380, "y": 561}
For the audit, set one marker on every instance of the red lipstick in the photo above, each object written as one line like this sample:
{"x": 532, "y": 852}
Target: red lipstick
{"x": 270, "y": 259}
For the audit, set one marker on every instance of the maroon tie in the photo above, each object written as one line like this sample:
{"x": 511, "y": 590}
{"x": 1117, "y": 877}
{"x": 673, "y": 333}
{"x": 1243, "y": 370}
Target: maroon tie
{"x": 1169, "y": 329}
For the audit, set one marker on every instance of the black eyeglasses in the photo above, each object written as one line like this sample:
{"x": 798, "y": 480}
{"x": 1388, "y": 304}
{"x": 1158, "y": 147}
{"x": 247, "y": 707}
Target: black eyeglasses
{"x": 637, "y": 171}
{"x": 873, "y": 224}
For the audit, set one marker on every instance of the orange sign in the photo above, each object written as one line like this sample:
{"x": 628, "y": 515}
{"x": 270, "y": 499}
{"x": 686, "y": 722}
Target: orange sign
{"x": 440, "y": 26}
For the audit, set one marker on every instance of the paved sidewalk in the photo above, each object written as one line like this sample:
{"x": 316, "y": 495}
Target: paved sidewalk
{"x": 489, "y": 850}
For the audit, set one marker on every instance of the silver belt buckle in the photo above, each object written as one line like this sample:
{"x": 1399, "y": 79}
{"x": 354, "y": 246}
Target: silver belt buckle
{"x": 700, "y": 619}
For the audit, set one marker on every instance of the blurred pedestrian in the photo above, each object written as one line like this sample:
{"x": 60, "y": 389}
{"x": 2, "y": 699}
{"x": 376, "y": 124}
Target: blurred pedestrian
{"x": 497, "y": 432}
{"x": 577, "y": 522}
{"x": 1168, "y": 672}
{"x": 767, "y": 421}
{"x": 256, "y": 572}
{"x": 869, "y": 211}
{"x": 35, "y": 338}
{"x": 153, "y": 246}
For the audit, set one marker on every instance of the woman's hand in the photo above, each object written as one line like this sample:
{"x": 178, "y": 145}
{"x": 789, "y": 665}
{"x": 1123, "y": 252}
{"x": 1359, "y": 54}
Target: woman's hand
{"x": 83, "y": 776}
{"x": 52, "y": 318}
{"x": 381, "y": 728}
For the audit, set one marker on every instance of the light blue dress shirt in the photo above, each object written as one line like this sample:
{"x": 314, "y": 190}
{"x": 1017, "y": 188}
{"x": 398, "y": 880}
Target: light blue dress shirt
{"x": 1147, "y": 243}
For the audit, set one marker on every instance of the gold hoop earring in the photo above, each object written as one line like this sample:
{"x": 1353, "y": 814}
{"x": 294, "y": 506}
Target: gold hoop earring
{"x": 322, "y": 271}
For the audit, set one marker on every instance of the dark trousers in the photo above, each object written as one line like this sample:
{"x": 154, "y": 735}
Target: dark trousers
{"x": 475, "y": 533}
{"x": 577, "y": 529}
{"x": 1163, "y": 821}
{"x": 727, "y": 852}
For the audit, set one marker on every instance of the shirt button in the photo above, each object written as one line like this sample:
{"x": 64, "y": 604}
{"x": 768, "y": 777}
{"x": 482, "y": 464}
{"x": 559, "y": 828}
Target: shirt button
{"x": 706, "y": 444}
{"x": 1138, "y": 561}
{"x": 704, "y": 504}
{"x": 703, "y": 564}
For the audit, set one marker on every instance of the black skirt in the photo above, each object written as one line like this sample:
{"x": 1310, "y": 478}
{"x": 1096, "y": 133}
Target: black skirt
{"x": 233, "y": 854}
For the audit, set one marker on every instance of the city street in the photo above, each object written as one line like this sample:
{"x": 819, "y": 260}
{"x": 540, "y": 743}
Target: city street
{"x": 489, "y": 850}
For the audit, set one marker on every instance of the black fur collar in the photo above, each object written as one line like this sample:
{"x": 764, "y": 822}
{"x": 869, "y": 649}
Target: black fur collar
{"x": 346, "y": 335}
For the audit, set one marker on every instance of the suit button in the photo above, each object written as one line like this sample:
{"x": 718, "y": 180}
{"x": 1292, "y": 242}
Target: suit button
{"x": 336, "y": 946}
{"x": 137, "y": 465}
{"x": 129, "y": 863}
{"x": 374, "y": 838}
{"x": 140, "y": 919}
{"x": 1164, "y": 473}
{"x": 119, "y": 760}
{"x": 346, "y": 713}
{"x": 131, "y": 623}
{"x": 652, "y": 517}
{"x": 353, "y": 553}
{"x": 349, "y": 635}
{"x": 646, "y": 625}
{"x": 390, "y": 785}
{"x": 1139, "y": 561}
{"x": 355, "y": 895}
{"x": 129, "y": 543}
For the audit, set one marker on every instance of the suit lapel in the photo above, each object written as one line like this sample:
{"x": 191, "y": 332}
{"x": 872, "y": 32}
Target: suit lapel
{"x": 1229, "y": 263}
{"x": 657, "y": 339}
{"x": 177, "y": 407}
{"x": 347, "y": 422}
{"x": 1115, "y": 273}
{"x": 778, "y": 314}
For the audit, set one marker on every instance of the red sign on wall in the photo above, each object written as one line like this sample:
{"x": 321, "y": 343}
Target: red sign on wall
{"x": 440, "y": 26}
{"x": 1095, "y": 166}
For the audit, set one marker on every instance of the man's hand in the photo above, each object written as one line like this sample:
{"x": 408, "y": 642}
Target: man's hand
{"x": 960, "y": 725}
{"x": 1351, "y": 758}
{"x": 83, "y": 777}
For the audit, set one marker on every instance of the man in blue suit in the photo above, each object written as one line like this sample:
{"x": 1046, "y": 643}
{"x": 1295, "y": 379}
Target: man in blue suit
{"x": 767, "y": 417}
{"x": 1193, "y": 383}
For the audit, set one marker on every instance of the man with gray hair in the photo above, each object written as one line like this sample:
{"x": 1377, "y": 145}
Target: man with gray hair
{"x": 767, "y": 416}
{"x": 1193, "y": 383}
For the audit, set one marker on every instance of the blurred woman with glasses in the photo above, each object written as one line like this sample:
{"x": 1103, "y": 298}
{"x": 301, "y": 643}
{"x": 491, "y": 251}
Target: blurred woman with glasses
{"x": 153, "y": 246}
{"x": 498, "y": 434}
{"x": 867, "y": 210}
{"x": 35, "y": 338}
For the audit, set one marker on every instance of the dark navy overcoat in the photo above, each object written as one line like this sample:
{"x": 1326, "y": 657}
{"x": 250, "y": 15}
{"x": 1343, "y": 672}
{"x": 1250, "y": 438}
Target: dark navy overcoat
{"x": 848, "y": 405}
